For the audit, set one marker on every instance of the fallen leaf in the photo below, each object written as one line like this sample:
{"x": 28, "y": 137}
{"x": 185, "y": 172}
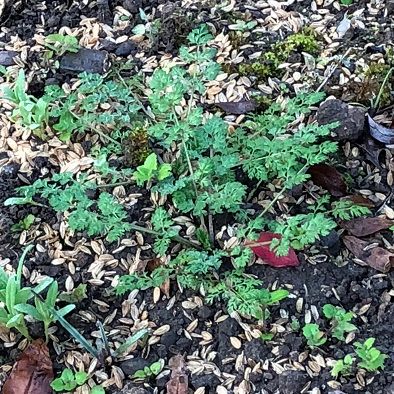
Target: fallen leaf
{"x": 376, "y": 257}
{"x": 359, "y": 199}
{"x": 237, "y": 107}
{"x": 32, "y": 373}
{"x": 328, "y": 178}
{"x": 380, "y": 133}
{"x": 178, "y": 383}
{"x": 360, "y": 227}
{"x": 261, "y": 248}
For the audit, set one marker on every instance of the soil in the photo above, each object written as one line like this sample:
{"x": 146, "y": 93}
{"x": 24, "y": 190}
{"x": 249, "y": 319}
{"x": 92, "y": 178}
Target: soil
{"x": 325, "y": 276}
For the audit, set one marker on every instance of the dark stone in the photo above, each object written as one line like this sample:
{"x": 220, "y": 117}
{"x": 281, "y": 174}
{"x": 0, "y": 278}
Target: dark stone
{"x": 126, "y": 48}
{"x": 134, "y": 364}
{"x": 10, "y": 170}
{"x": 292, "y": 382}
{"x": 255, "y": 350}
{"x": 169, "y": 338}
{"x": 132, "y": 6}
{"x": 229, "y": 327}
{"x": 332, "y": 242}
{"x": 296, "y": 343}
{"x": 85, "y": 60}
{"x": 108, "y": 45}
{"x": 182, "y": 345}
{"x": 207, "y": 381}
{"x": 7, "y": 58}
{"x": 205, "y": 312}
{"x": 351, "y": 119}
{"x": 284, "y": 351}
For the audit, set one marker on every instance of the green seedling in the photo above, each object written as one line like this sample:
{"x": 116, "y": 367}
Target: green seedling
{"x": 313, "y": 335}
{"x": 340, "y": 321}
{"x": 342, "y": 367}
{"x": 43, "y": 308}
{"x": 371, "y": 358}
{"x": 150, "y": 371}
{"x": 295, "y": 324}
{"x": 59, "y": 44}
{"x": 77, "y": 295}
{"x": 14, "y": 297}
{"x": 28, "y": 111}
{"x": 150, "y": 170}
{"x": 24, "y": 224}
{"x": 68, "y": 380}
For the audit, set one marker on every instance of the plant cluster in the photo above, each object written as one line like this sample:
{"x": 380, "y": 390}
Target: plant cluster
{"x": 59, "y": 44}
{"x": 107, "y": 108}
{"x": 340, "y": 322}
{"x": 207, "y": 179}
{"x": 371, "y": 358}
{"x": 149, "y": 371}
{"x": 68, "y": 380}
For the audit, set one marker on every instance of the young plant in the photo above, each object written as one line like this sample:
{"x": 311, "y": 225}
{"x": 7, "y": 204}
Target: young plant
{"x": 342, "y": 367}
{"x": 371, "y": 358}
{"x": 105, "y": 107}
{"x": 150, "y": 371}
{"x": 14, "y": 297}
{"x": 151, "y": 170}
{"x": 313, "y": 335}
{"x": 24, "y": 224}
{"x": 68, "y": 380}
{"x": 340, "y": 321}
{"x": 64, "y": 193}
{"x": 43, "y": 310}
{"x": 60, "y": 44}
{"x": 28, "y": 111}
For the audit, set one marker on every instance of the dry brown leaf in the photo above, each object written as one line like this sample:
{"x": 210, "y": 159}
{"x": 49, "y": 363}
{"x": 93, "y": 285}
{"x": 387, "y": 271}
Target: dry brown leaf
{"x": 376, "y": 257}
{"x": 328, "y": 178}
{"x": 237, "y": 107}
{"x": 178, "y": 383}
{"x": 360, "y": 227}
{"x": 32, "y": 373}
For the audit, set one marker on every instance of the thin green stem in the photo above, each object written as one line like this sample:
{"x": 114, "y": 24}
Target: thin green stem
{"x": 379, "y": 96}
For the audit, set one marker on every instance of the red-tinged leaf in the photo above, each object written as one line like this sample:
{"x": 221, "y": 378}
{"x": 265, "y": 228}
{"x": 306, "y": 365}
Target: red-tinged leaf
{"x": 328, "y": 178}
{"x": 178, "y": 383}
{"x": 360, "y": 227}
{"x": 237, "y": 107}
{"x": 261, "y": 248}
{"x": 376, "y": 257}
{"x": 32, "y": 373}
{"x": 381, "y": 133}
